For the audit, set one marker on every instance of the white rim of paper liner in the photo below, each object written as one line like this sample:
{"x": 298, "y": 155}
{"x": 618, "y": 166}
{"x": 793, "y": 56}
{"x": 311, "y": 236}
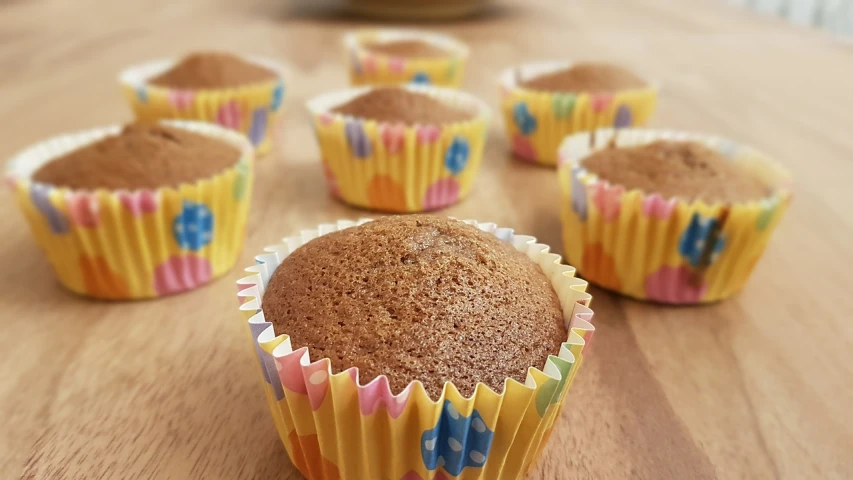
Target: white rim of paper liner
{"x": 137, "y": 76}
{"x": 354, "y": 41}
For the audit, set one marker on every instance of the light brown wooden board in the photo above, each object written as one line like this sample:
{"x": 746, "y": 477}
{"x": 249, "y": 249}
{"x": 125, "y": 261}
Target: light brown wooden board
{"x": 759, "y": 386}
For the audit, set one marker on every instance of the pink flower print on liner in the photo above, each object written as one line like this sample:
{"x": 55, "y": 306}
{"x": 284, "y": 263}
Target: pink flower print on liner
{"x": 608, "y": 199}
{"x": 139, "y": 202}
{"x": 428, "y": 134}
{"x": 181, "y": 99}
{"x": 316, "y": 377}
{"x": 600, "y": 102}
{"x": 523, "y": 149}
{"x": 393, "y": 137}
{"x": 368, "y": 64}
{"x": 326, "y": 119}
{"x": 442, "y": 193}
{"x": 377, "y": 394}
{"x": 290, "y": 371}
{"x": 331, "y": 180}
{"x": 396, "y": 64}
{"x": 674, "y": 285}
{"x": 180, "y": 273}
{"x": 83, "y": 209}
{"x": 655, "y": 206}
{"x": 229, "y": 115}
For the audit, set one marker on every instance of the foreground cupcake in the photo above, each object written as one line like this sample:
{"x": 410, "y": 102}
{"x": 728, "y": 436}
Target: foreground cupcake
{"x": 243, "y": 94}
{"x": 668, "y": 217}
{"x": 544, "y": 102}
{"x": 414, "y": 347}
{"x": 140, "y": 211}
{"x": 388, "y": 57}
{"x": 406, "y": 149}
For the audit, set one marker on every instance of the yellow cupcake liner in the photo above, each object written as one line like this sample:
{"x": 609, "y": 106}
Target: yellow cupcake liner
{"x": 370, "y": 68}
{"x": 335, "y": 427}
{"x": 658, "y": 249}
{"x": 254, "y": 110}
{"x": 136, "y": 244}
{"x": 536, "y": 122}
{"x": 399, "y": 168}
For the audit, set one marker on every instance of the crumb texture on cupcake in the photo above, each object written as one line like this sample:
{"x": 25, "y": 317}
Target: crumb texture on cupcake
{"x": 585, "y": 77}
{"x": 210, "y": 70}
{"x": 417, "y": 298}
{"x": 397, "y": 105}
{"x": 687, "y": 170}
{"x": 407, "y": 49}
{"x": 140, "y": 157}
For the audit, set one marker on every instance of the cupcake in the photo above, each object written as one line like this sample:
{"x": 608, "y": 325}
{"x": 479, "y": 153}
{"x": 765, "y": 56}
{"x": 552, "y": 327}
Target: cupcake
{"x": 544, "y": 102}
{"x": 388, "y": 57}
{"x": 668, "y": 217}
{"x": 415, "y": 347}
{"x": 240, "y": 93}
{"x": 400, "y": 149}
{"x": 140, "y": 211}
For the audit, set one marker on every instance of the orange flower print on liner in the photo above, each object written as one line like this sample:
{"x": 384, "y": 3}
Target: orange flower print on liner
{"x": 100, "y": 281}
{"x": 383, "y": 193}
{"x": 599, "y": 267}
{"x": 308, "y": 459}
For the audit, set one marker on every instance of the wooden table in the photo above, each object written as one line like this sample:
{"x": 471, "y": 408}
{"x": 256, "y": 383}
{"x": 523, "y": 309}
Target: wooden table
{"x": 760, "y": 386}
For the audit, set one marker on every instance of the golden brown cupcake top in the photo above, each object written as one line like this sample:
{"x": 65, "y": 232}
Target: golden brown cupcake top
{"x": 140, "y": 156}
{"x": 687, "y": 170}
{"x": 397, "y": 105}
{"x": 586, "y": 77}
{"x": 407, "y": 49}
{"x": 211, "y": 70}
{"x": 417, "y": 298}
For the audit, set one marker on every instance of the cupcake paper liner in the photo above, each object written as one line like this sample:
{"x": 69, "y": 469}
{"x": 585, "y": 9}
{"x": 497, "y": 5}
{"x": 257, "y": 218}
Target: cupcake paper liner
{"x": 255, "y": 110}
{"x": 336, "y": 427}
{"x": 398, "y": 168}
{"x": 665, "y": 250}
{"x": 536, "y": 122}
{"x": 370, "y": 68}
{"x": 136, "y": 244}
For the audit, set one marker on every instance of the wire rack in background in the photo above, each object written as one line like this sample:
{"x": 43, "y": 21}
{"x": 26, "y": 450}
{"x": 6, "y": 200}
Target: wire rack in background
{"x": 833, "y": 15}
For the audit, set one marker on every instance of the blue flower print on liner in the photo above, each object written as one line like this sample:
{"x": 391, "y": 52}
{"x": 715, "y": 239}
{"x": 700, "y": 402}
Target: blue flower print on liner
{"x": 277, "y": 97}
{"x": 142, "y": 94}
{"x": 357, "y": 138}
{"x": 457, "y": 155}
{"x": 523, "y": 119}
{"x": 259, "y": 126}
{"x": 193, "y": 228}
{"x": 579, "y": 204}
{"x": 692, "y": 242}
{"x": 356, "y": 64}
{"x": 624, "y": 117}
{"x": 728, "y": 149}
{"x": 57, "y": 222}
{"x": 456, "y": 441}
{"x": 421, "y": 78}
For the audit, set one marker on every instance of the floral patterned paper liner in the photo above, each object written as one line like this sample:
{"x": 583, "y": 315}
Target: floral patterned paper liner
{"x": 681, "y": 263}
{"x": 80, "y": 222}
{"x": 277, "y": 358}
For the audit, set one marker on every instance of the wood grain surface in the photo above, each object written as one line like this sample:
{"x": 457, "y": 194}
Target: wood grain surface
{"x": 759, "y": 386}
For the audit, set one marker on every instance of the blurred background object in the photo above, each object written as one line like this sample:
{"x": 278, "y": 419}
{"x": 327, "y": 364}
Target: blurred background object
{"x": 835, "y": 16}
{"x": 416, "y": 9}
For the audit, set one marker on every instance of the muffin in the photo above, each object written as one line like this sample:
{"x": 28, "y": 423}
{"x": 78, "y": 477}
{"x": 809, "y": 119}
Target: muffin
{"x": 389, "y": 57}
{"x": 450, "y": 343}
{"x": 400, "y": 149}
{"x": 668, "y": 217}
{"x": 542, "y": 103}
{"x": 240, "y": 93}
{"x": 137, "y": 211}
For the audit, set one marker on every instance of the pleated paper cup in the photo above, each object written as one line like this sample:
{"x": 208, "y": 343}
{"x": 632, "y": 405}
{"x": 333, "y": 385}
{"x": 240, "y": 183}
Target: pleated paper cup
{"x": 392, "y": 167}
{"x": 537, "y": 121}
{"x": 254, "y": 110}
{"x": 371, "y": 68}
{"x": 665, "y": 250}
{"x": 336, "y": 425}
{"x": 119, "y": 244}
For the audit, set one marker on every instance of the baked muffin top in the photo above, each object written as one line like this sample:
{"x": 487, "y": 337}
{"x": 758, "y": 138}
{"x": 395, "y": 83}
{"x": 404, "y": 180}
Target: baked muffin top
{"x": 140, "y": 156}
{"x": 211, "y": 70}
{"x": 407, "y": 49}
{"x": 687, "y": 170}
{"x": 417, "y": 297}
{"x": 398, "y": 105}
{"x": 585, "y": 77}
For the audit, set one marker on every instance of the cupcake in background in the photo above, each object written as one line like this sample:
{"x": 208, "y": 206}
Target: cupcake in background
{"x": 415, "y": 347}
{"x": 390, "y": 57}
{"x": 542, "y": 103}
{"x": 400, "y": 149}
{"x": 138, "y": 211}
{"x": 241, "y": 93}
{"x": 665, "y": 216}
